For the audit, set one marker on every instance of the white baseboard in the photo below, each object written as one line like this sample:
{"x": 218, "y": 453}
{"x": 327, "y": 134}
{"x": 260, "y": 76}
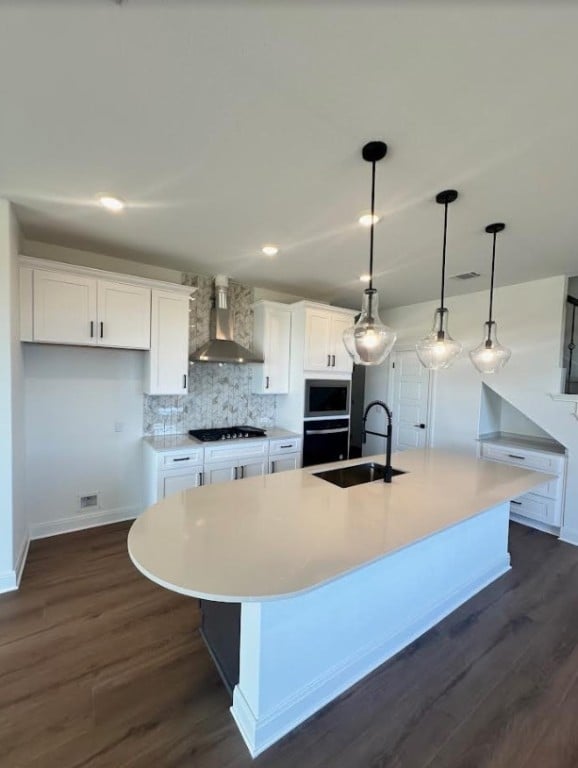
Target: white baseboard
{"x": 569, "y": 535}
{"x": 79, "y": 522}
{"x": 10, "y": 580}
{"x": 260, "y": 733}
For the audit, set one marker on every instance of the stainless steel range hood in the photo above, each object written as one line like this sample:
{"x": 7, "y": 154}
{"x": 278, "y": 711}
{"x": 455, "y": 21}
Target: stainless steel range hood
{"x": 221, "y": 348}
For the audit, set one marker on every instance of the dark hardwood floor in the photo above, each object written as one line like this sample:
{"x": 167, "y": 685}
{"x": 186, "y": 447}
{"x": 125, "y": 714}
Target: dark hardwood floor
{"x": 100, "y": 668}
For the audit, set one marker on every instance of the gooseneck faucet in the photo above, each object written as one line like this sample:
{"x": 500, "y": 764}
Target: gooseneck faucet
{"x": 388, "y": 470}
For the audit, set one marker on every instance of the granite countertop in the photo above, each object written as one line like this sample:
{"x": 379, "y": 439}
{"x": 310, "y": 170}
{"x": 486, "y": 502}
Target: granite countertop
{"x": 167, "y": 443}
{"x": 279, "y": 535}
{"x": 524, "y": 441}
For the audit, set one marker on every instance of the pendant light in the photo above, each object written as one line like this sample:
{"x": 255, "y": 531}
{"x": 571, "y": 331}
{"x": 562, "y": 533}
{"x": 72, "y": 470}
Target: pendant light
{"x": 370, "y": 341}
{"x": 438, "y": 350}
{"x": 490, "y": 356}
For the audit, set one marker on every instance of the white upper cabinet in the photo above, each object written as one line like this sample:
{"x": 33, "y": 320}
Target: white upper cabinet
{"x": 64, "y": 308}
{"x": 168, "y": 363}
{"x": 124, "y": 315}
{"x": 324, "y": 348}
{"x": 66, "y": 304}
{"x": 272, "y": 339}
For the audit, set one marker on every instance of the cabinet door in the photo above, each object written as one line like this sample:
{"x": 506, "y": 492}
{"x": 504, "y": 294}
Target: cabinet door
{"x": 179, "y": 480}
{"x": 341, "y": 361}
{"x": 284, "y": 463}
{"x": 124, "y": 315}
{"x": 278, "y": 337}
{"x": 252, "y": 468}
{"x": 168, "y": 363}
{"x": 220, "y": 472}
{"x": 64, "y": 308}
{"x": 318, "y": 340}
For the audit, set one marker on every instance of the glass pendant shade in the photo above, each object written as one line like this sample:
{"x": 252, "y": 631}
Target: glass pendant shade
{"x": 369, "y": 341}
{"x": 438, "y": 350}
{"x": 490, "y": 356}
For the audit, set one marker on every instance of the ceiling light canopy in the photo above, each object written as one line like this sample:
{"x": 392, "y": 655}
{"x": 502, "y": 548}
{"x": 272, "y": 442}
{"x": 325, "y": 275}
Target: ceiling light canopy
{"x": 364, "y": 278}
{"x": 114, "y": 204}
{"x": 370, "y": 341}
{"x": 367, "y": 219}
{"x": 438, "y": 350}
{"x": 490, "y": 356}
{"x": 270, "y": 250}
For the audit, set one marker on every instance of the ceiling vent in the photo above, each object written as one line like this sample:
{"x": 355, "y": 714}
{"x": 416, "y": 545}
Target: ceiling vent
{"x": 466, "y": 276}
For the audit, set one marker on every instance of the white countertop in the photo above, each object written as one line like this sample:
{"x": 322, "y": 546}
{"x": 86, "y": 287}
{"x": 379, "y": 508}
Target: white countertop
{"x": 278, "y": 535}
{"x": 524, "y": 441}
{"x": 166, "y": 443}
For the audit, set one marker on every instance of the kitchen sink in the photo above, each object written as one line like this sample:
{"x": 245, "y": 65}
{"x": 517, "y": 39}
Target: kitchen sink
{"x": 346, "y": 477}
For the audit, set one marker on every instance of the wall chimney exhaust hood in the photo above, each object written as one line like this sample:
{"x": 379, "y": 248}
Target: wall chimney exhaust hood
{"x": 221, "y": 348}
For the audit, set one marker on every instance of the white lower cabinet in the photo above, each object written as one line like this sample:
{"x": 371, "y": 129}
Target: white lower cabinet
{"x": 542, "y": 507}
{"x": 175, "y": 480}
{"x": 284, "y": 463}
{"x": 172, "y": 471}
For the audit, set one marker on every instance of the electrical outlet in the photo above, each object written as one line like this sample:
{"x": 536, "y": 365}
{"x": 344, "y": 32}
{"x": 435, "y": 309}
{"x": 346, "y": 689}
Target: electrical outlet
{"x": 118, "y": 426}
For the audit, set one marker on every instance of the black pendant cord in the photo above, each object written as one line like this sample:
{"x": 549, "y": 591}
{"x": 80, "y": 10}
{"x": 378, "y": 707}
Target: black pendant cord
{"x": 491, "y": 312}
{"x": 372, "y": 226}
{"x": 443, "y": 291}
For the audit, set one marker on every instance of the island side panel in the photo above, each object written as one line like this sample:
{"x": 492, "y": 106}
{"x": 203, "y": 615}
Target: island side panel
{"x": 299, "y": 653}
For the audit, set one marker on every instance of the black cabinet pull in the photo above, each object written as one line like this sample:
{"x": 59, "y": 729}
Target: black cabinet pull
{"x": 184, "y": 381}
{"x": 266, "y": 382}
{"x": 102, "y": 330}
{"x": 92, "y": 329}
{"x": 184, "y": 458}
{"x": 333, "y": 361}
{"x": 519, "y": 503}
{"x": 329, "y": 361}
{"x": 513, "y": 456}
{"x": 201, "y": 478}
{"x": 286, "y": 446}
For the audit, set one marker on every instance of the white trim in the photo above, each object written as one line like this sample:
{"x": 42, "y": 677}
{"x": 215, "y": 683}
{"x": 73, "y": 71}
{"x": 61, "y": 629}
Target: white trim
{"x": 260, "y": 734}
{"x": 569, "y": 535}
{"x": 101, "y": 274}
{"x": 42, "y": 530}
{"x": 10, "y": 580}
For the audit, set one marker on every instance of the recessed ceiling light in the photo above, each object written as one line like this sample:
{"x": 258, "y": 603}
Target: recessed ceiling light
{"x": 114, "y": 204}
{"x": 367, "y": 219}
{"x": 364, "y": 278}
{"x": 270, "y": 250}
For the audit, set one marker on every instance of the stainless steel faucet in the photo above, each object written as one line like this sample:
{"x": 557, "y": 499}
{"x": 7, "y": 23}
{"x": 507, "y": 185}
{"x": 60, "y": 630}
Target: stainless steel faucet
{"x": 388, "y": 436}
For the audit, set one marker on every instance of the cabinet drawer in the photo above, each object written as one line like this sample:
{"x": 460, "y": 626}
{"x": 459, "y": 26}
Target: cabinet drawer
{"x": 551, "y": 490}
{"x": 288, "y": 445}
{"x": 537, "y": 508}
{"x": 520, "y": 457}
{"x": 245, "y": 449}
{"x": 182, "y": 459}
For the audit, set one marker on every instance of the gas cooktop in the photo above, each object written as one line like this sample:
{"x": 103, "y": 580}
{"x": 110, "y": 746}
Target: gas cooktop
{"x": 226, "y": 433}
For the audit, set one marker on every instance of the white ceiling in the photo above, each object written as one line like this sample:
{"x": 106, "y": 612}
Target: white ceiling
{"x": 227, "y": 125}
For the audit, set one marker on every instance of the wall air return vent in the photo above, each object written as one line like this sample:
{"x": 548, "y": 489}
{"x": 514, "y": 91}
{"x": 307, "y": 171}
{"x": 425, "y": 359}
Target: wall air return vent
{"x": 466, "y": 276}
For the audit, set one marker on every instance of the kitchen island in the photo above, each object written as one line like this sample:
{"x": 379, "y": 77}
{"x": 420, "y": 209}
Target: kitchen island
{"x": 312, "y": 586}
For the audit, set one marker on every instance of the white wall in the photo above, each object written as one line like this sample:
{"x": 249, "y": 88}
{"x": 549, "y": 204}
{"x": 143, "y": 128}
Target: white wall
{"x": 75, "y": 397}
{"x": 530, "y": 320}
{"x": 13, "y": 525}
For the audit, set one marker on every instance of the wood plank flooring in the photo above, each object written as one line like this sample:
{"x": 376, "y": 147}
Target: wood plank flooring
{"x": 101, "y": 668}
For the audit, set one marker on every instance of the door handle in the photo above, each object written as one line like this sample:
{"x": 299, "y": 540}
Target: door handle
{"x": 326, "y": 431}
{"x": 333, "y": 361}
{"x": 329, "y": 361}
{"x": 266, "y": 382}
{"x": 272, "y": 467}
{"x": 242, "y": 472}
{"x": 184, "y": 380}
{"x": 236, "y": 477}
{"x": 420, "y": 426}
{"x": 92, "y": 329}
{"x": 201, "y": 478}
{"x": 101, "y": 330}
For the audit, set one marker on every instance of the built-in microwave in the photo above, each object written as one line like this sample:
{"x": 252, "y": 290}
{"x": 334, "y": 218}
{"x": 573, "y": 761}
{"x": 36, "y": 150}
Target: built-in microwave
{"x": 326, "y": 397}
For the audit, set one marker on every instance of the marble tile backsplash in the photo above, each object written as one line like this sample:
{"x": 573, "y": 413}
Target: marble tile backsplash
{"x": 219, "y": 395}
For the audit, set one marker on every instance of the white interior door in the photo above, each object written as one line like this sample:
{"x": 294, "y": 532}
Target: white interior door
{"x": 410, "y": 401}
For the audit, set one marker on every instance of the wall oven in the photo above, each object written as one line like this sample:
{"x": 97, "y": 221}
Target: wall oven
{"x": 326, "y": 397}
{"x": 325, "y": 440}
